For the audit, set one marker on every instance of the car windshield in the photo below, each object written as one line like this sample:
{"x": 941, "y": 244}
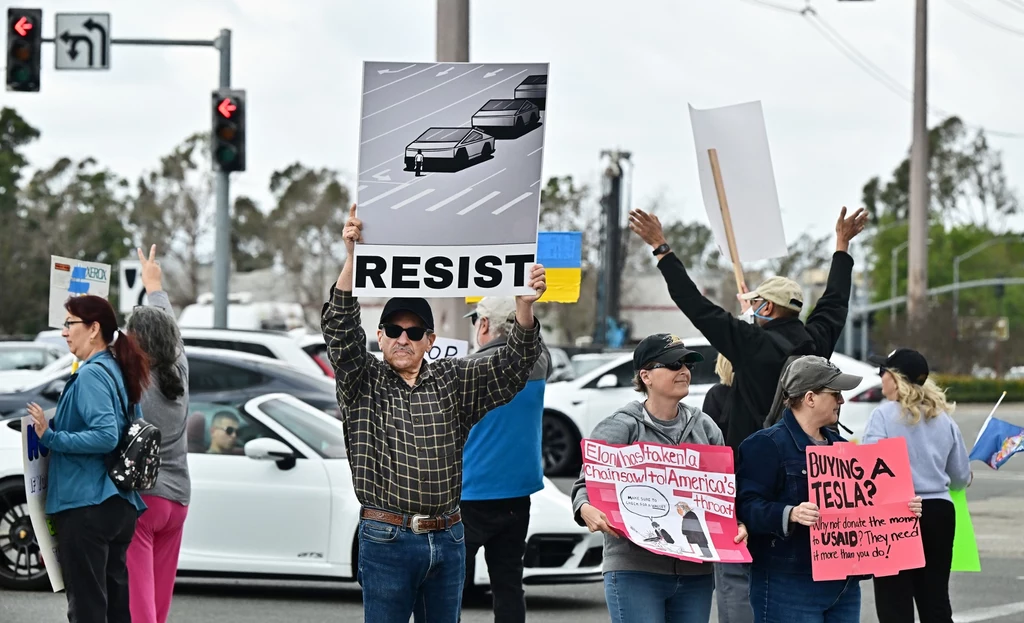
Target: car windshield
{"x": 502, "y": 105}
{"x": 22, "y": 358}
{"x": 443, "y": 135}
{"x": 536, "y": 80}
{"x": 326, "y": 437}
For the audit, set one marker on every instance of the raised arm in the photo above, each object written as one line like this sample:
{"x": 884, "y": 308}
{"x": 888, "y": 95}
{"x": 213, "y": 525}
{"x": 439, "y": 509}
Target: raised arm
{"x": 342, "y": 327}
{"x": 828, "y": 319}
{"x": 490, "y": 382}
{"x": 152, "y": 280}
{"x": 729, "y": 335}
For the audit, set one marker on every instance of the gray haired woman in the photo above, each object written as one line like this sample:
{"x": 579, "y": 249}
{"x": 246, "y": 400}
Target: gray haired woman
{"x": 153, "y": 554}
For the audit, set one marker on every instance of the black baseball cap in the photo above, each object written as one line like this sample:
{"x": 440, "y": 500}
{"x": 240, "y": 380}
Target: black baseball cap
{"x": 907, "y": 362}
{"x": 416, "y": 306}
{"x": 662, "y": 348}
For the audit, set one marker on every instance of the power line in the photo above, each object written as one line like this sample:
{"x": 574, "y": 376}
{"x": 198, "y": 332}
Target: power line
{"x": 985, "y": 19}
{"x": 834, "y": 38}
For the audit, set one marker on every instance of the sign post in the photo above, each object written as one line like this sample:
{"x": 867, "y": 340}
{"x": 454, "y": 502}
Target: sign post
{"x": 730, "y": 235}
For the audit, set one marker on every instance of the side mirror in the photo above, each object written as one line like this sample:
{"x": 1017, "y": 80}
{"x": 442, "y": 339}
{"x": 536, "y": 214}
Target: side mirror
{"x": 54, "y": 389}
{"x": 606, "y": 381}
{"x": 266, "y": 449}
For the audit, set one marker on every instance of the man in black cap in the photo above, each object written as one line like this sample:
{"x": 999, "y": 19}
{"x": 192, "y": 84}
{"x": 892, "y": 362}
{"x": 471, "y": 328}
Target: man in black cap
{"x": 406, "y": 422}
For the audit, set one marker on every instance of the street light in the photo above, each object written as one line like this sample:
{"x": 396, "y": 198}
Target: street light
{"x": 956, "y": 274}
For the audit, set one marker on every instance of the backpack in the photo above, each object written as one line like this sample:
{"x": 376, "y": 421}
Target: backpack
{"x": 135, "y": 464}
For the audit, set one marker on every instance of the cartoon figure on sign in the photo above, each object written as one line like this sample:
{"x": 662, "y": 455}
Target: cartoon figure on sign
{"x": 650, "y": 503}
{"x": 693, "y": 529}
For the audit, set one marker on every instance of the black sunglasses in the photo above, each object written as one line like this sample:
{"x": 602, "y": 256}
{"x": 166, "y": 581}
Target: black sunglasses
{"x": 230, "y": 430}
{"x": 675, "y": 366}
{"x": 394, "y": 332}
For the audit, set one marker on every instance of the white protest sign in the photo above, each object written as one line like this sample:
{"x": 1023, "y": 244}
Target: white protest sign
{"x": 738, "y": 135}
{"x": 70, "y": 277}
{"x": 36, "y": 461}
{"x": 449, "y": 184}
{"x": 446, "y": 348}
{"x": 131, "y": 292}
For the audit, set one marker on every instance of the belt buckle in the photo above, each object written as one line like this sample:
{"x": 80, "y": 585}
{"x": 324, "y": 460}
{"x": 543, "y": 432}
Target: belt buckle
{"x": 414, "y": 525}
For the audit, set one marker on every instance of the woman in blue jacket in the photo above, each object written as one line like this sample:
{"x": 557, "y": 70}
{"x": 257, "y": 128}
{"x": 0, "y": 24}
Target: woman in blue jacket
{"x": 94, "y": 520}
{"x": 772, "y": 500}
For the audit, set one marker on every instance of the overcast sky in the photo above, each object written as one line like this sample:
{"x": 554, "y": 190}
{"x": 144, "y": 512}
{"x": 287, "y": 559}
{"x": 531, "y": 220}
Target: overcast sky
{"x": 621, "y": 76}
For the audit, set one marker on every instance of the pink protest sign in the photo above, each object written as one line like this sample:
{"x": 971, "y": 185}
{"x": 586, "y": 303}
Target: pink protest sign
{"x": 675, "y": 501}
{"x": 866, "y": 526}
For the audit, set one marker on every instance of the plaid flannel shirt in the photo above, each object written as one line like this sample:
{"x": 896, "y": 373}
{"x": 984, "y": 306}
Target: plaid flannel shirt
{"x": 404, "y": 443}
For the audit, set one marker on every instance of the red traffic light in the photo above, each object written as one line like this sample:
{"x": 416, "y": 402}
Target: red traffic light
{"x": 226, "y": 107}
{"x": 22, "y": 26}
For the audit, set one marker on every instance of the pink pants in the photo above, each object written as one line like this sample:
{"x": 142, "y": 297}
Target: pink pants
{"x": 153, "y": 559}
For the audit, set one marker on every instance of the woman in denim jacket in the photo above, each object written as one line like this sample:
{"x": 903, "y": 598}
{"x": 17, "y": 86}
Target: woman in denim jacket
{"x": 772, "y": 500}
{"x": 94, "y": 519}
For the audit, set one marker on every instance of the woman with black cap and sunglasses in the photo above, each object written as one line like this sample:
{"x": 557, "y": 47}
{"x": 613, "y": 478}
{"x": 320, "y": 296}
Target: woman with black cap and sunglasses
{"x": 640, "y": 585}
{"x": 916, "y": 409}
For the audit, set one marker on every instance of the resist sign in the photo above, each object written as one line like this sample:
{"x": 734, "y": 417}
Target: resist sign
{"x": 866, "y": 526}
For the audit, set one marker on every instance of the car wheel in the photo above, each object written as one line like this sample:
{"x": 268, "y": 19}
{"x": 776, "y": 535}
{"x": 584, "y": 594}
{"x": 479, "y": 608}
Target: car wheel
{"x": 21, "y": 564}
{"x": 486, "y": 153}
{"x": 461, "y": 158}
{"x": 560, "y": 445}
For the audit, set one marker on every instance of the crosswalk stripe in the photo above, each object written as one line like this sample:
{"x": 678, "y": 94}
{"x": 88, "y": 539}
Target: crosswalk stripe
{"x": 511, "y": 203}
{"x": 443, "y": 203}
{"x": 411, "y": 199}
{"x": 479, "y": 203}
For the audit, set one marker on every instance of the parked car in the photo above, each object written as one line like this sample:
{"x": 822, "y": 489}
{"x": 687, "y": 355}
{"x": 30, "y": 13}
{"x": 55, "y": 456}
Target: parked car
{"x": 506, "y": 114}
{"x": 449, "y": 146}
{"x": 283, "y": 506}
{"x": 273, "y": 344}
{"x": 535, "y": 89}
{"x": 27, "y": 355}
{"x": 214, "y": 376}
{"x": 573, "y": 409}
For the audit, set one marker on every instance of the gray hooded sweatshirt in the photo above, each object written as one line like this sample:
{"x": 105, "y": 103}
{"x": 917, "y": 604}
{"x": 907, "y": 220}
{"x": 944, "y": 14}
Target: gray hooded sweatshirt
{"x": 626, "y": 426}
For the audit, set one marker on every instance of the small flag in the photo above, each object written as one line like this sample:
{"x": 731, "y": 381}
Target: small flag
{"x": 997, "y": 440}
{"x": 561, "y": 254}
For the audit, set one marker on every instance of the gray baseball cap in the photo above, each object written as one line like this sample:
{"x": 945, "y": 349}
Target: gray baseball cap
{"x": 810, "y": 373}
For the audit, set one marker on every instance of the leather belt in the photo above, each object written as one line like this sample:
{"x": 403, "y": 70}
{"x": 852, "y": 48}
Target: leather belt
{"x": 419, "y": 524}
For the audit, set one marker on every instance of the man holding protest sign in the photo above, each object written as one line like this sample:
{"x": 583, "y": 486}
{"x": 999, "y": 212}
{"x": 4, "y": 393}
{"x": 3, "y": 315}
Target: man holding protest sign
{"x": 773, "y": 499}
{"x": 406, "y": 422}
{"x": 671, "y": 451}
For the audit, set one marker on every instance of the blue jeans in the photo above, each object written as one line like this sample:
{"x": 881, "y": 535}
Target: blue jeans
{"x": 778, "y": 597}
{"x": 405, "y": 574}
{"x": 658, "y": 598}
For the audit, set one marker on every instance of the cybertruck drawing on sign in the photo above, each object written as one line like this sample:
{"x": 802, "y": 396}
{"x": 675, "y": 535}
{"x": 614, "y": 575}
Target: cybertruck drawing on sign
{"x": 535, "y": 89}
{"x": 449, "y": 149}
{"x": 507, "y": 118}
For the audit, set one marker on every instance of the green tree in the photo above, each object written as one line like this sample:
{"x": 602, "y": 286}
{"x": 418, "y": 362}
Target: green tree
{"x": 21, "y": 270}
{"x": 249, "y": 247}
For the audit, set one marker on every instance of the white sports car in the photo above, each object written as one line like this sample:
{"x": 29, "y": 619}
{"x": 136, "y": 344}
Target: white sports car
{"x": 280, "y": 504}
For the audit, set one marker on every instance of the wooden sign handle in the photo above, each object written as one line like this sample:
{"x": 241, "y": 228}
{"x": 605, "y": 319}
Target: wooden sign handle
{"x": 730, "y": 236}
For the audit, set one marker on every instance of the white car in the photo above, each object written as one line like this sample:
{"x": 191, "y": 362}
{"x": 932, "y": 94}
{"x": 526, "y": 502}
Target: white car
{"x": 282, "y": 505}
{"x": 573, "y": 408}
{"x": 276, "y": 345}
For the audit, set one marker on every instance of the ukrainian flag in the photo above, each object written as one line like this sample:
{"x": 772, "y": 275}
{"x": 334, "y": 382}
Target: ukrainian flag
{"x": 561, "y": 254}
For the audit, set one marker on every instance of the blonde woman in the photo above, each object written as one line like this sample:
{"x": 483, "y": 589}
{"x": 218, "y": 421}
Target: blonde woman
{"x": 916, "y": 409}
{"x": 714, "y": 400}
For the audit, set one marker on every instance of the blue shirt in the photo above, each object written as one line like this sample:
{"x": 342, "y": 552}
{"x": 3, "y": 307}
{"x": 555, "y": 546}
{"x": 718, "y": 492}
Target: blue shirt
{"x": 502, "y": 458}
{"x": 86, "y": 428}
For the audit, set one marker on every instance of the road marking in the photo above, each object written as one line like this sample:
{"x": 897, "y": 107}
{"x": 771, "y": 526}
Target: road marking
{"x": 534, "y": 184}
{"x": 361, "y": 188}
{"x": 399, "y": 80}
{"x": 986, "y": 614}
{"x": 402, "y": 204}
{"x": 443, "y": 203}
{"x": 511, "y": 203}
{"x": 394, "y": 190}
{"x": 405, "y": 125}
{"x": 438, "y": 86}
{"x": 488, "y": 177}
{"x": 479, "y": 203}
{"x": 534, "y": 151}
{"x": 380, "y": 182}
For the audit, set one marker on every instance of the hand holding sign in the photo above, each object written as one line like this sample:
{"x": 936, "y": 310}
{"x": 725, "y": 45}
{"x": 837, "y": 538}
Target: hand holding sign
{"x": 39, "y": 422}
{"x": 806, "y": 514}
{"x": 353, "y": 231}
{"x": 538, "y": 282}
{"x": 596, "y": 520}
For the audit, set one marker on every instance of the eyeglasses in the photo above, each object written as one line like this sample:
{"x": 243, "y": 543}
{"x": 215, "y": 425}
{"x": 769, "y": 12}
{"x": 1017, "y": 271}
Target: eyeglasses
{"x": 675, "y": 366}
{"x": 395, "y": 331}
{"x": 68, "y": 323}
{"x": 229, "y": 430}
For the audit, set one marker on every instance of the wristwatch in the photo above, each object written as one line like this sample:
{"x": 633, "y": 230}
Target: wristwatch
{"x": 662, "y": 249}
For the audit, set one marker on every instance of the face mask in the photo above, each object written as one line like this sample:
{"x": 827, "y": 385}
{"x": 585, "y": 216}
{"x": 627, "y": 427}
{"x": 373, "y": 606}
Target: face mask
{"x": 748, "y": 316}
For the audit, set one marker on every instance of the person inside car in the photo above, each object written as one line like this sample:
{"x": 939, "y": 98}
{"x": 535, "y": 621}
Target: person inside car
{"x": 223, "y": 433}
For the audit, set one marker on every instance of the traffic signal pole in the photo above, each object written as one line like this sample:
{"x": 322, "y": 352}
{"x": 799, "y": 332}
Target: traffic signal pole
{"x": 222, "y": 255}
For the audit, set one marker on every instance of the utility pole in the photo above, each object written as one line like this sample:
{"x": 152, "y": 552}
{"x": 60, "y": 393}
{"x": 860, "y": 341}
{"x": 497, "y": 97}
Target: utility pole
{"x": 609, "y": 296}
{"x": 917, "y": 271}
{"x": 222, "y": 240}
{"x": 452, "y": 47}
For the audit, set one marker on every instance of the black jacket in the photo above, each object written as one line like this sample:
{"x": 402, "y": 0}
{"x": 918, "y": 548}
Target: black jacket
{"x": 758, "y": 353}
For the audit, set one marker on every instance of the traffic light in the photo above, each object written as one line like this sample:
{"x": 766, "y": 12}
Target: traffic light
{"x": 228, "y": 140}
{"x": 24, "y": 39}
